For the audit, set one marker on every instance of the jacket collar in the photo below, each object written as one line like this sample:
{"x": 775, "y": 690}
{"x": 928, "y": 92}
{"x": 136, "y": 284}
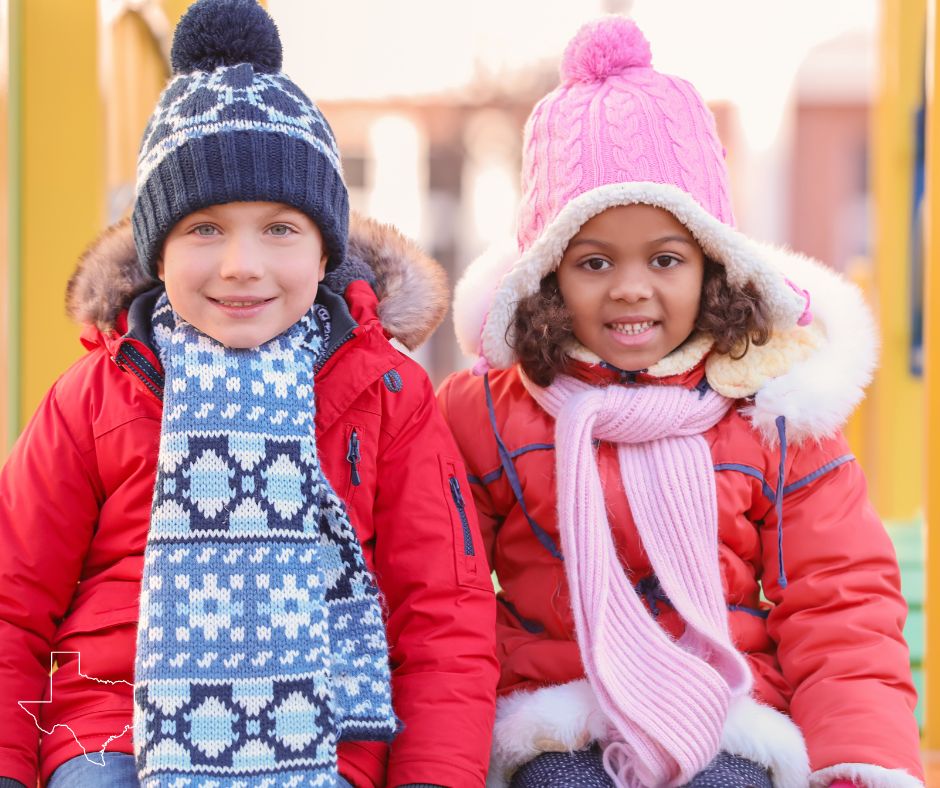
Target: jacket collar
{"x": 604, "y": 374}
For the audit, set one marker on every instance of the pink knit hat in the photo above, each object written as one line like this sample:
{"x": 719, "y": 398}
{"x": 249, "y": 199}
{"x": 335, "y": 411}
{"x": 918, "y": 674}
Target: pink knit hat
{"x": 614, "y": 132}
{"x": 612, "y": 120}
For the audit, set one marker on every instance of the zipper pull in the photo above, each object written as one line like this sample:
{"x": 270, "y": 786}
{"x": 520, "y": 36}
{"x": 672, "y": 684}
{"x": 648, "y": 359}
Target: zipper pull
{"x": 455, "y": 491}
{"x": 353, "y": 457}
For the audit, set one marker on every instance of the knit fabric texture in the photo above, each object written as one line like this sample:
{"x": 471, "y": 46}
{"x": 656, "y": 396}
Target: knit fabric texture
{"x": 666, "y": 700}
{"x": 260, "y": 642}
{"x": 231, "y": 127}
{"x": 614, "y": 119}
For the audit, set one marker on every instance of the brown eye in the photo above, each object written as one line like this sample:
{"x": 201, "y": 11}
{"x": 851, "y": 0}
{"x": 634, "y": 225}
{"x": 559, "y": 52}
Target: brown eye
{"x": 595, "y": 264}
{"x": 662, "y": 261}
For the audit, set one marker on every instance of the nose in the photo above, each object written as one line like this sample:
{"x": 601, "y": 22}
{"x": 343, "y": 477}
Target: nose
{"x": 631, "y": 284}
{"x": 241, "y": 259}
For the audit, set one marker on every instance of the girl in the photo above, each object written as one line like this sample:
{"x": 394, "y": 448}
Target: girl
{"x": 695, "y": 588}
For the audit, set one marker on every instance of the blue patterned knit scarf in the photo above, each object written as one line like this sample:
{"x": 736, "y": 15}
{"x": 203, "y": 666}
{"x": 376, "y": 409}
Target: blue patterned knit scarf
{"x": 260, "y": 643}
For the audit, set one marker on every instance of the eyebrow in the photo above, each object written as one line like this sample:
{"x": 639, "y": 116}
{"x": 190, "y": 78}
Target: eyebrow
{"x": 665, "y": 239}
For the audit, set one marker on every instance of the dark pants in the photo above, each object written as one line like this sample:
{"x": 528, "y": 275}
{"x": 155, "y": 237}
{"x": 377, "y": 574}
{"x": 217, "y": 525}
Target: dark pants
{"x": 585, "y": 769}
{"x": 114, "y": 770}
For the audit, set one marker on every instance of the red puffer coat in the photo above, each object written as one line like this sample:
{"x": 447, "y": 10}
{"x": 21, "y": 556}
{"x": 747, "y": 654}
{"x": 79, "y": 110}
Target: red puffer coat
{"x": 75, "y": 499}
{"x": 852, "y": 699}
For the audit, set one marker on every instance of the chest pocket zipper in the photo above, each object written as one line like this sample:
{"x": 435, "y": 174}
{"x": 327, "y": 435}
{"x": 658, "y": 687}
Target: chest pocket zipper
{"x": 461, "y": 510}
{"x": 353, "y": 457}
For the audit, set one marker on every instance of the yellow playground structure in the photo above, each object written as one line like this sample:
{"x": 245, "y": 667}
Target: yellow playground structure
{"x": 82, "y": 76}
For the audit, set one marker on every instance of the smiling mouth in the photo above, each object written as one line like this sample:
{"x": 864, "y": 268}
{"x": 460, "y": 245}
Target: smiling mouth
{"x": 241, "y": 302}
{"x": 632, "y": 329}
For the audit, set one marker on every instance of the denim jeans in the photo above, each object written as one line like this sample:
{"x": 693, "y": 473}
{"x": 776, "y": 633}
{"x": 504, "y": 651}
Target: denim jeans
{"x": 118, "y": 771}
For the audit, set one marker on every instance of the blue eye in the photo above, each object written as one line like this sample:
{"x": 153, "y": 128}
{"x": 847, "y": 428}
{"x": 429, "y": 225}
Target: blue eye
{"x": 205, "y": 230}
{"x": 663, "y": 261}
{"x": 595, "y": 264}
{"x": 280, "y": 230}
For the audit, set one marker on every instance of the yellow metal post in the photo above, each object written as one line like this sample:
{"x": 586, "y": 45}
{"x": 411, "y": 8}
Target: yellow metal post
{"x": 60, "y": 195}
{"x": 8, "y": 271}
{"x": 932, "y": 372}
{"x": 897, "y": 442}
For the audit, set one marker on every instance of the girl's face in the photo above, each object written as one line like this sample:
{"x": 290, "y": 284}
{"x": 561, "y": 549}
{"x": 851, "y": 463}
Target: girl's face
{"x": 632, "y": 280}
{"x": 243, "y": 272}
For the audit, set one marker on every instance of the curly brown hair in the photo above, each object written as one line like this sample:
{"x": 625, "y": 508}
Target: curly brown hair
{"x": 541, "y": 328}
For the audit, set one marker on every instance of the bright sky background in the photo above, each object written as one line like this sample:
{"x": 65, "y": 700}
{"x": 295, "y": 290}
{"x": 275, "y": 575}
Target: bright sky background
{"x": 747, "y": 52}
{"x": 730, "y": 49}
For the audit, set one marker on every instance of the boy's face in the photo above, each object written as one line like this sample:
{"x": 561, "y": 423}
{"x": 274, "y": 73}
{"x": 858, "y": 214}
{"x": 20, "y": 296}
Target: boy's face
{"x": 632, "y": 281}
{"x": 243, "y": 272}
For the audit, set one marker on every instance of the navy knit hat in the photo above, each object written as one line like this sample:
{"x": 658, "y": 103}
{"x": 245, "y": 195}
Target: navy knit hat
{"x": 231, "y": 127}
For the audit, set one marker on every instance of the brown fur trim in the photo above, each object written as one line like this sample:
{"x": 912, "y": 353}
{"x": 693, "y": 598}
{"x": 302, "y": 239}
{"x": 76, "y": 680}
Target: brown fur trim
{"x": 412, "y": 288}
{"x": 107, "y": 278}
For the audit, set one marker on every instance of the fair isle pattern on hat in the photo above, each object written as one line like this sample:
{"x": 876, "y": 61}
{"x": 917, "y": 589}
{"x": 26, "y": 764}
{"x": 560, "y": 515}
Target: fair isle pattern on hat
{"x": 229, "y": 100}
{"x": 260, "y": 642}
{"x": 231, "y": 127}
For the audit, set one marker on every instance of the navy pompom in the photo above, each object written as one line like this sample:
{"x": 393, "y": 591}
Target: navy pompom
{"x": 215, "y": 33}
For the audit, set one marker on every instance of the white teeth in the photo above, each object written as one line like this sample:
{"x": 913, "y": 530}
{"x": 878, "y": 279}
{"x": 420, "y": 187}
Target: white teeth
{"x": 239, "y": 303}
{"x": 632, "y": 328}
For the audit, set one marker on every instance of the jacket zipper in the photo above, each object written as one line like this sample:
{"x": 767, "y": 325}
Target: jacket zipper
{"x": 353, "y": 457}
{"x": 126, "y": 363}
{"x": 331, "y": 352}
{"x": 461, "y": 510}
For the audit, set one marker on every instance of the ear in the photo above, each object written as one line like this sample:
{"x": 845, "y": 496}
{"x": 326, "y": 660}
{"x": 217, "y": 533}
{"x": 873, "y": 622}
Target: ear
{"x": 322, "y": 272}
{"x": 160, "y": 275}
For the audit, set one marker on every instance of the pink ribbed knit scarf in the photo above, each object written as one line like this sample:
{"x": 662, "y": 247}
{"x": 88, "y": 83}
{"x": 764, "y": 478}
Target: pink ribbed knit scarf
{"x": 667, "y": 700}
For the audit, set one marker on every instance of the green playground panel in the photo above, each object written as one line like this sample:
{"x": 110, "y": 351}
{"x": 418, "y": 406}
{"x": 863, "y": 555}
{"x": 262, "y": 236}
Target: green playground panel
{"x": 908, "y": 539}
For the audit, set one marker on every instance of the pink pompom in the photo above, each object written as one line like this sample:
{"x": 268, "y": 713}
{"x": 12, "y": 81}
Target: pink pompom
{"x": 605, "y": 47}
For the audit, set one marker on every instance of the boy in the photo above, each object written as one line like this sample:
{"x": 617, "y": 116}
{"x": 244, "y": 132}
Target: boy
{"x": 257, "y": 642}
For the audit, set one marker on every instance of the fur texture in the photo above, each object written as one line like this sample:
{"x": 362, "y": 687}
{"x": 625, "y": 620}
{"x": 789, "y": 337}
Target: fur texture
{"x": 473, "y": 295}
{"x": 818, "y": 394}
{"x": 864, "y": 774}
{"x": 550, "y": 719}
{"x": 567, "y": 717}
{"x": 411, "y": 287}
{"x": 814, "y": 377}
{"x": 768, "y": 737}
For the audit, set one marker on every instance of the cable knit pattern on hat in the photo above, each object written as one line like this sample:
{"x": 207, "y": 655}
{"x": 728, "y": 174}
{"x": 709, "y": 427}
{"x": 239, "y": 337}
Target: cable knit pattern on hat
{"x": 615, "y": 119}
{"x": 668, "y": 700}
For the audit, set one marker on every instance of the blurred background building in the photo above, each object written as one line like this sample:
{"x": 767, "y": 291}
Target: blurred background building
{"x": 820, "y": 105}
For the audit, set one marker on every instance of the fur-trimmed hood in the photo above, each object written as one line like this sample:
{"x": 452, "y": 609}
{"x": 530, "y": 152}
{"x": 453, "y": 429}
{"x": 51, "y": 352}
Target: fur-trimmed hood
{"x": 813, "y": 375}
{"x": 411, "y": 287}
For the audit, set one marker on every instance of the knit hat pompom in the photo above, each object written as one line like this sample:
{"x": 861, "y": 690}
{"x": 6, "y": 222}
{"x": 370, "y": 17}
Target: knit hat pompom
{"x": 215, "y": 33}
{"x": 603, "y": 48}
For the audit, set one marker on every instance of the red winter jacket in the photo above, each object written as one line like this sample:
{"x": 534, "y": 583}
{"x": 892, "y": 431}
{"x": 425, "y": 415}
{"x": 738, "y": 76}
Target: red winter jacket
{"x": 75, "y": 499}
{"x": 852, "y": 697}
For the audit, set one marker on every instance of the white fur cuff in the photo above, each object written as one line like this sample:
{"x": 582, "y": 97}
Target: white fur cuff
{"x": 864, "y": 774}
{"x": 768, "y": 737}
{"x": 567, "y": 717}
{"x": 559, "y": 718}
